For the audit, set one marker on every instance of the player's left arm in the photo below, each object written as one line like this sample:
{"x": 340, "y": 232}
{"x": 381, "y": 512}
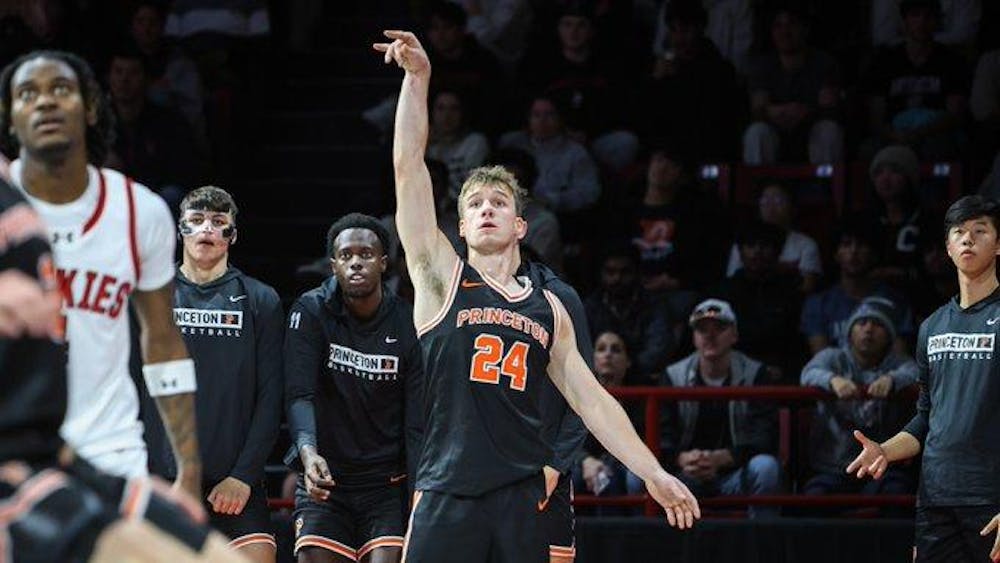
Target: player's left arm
{"x": 170, "y": 379}
{"x": 168, "y": 370}
{"x": 266, "y": 418}
{"x": 611, "y": 426}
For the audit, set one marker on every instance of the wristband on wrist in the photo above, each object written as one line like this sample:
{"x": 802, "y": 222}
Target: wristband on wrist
{"x": 170, "y": 378}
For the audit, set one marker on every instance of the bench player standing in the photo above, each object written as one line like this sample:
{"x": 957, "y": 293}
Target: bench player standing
{"x": 488, "y": 339}
{"x": 353, "y": 390}
{"x": 957, "y": 423}
{"x": 233, "y": 327}
{"x": 113, "y": 242}
{"x": 39, "y": 482}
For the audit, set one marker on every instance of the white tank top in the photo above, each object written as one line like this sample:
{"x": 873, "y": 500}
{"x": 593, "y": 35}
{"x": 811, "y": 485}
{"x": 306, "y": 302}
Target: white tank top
{"x": 116, "y": 238}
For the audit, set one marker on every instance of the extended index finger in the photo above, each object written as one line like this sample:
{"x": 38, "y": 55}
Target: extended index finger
{"x": 404, "y": 36}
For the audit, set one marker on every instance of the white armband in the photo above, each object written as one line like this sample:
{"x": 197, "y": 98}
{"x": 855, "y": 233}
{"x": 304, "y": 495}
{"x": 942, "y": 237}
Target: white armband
{"x": 170, "y": 378}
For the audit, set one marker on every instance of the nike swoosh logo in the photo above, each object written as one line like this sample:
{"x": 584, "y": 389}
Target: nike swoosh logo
{"x": 543, "y": 504}
{"x": 397, "y": 478}
{"x": 390, "y": 340}
{"x": 469, "y": 284}
{"x": 235, "y": 298}
{"x": 992, "y": 321}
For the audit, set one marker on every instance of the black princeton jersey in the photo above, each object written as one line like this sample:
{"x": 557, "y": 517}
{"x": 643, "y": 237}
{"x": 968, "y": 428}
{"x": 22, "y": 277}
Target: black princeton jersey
{"x": 32, "y": 370}
{"x": 485, "y": 356}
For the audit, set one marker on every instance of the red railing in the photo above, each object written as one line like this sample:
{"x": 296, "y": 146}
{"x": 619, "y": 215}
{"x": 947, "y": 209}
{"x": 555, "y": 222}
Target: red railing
{"x": 654, "y": 396}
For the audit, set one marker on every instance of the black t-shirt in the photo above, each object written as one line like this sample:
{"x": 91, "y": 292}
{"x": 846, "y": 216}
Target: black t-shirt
{"x": 906, "y": 86}
{"x": 32, "y": 370}
{"x": 957, "y": 418}
{"x": 486, "y": 359}
{"x": 711, "y": 431}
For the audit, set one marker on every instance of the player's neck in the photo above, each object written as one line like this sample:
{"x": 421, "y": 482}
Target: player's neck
{"x": 973, "y": 287}
{"x": 500, "y": 266}
{"x": 207, "y": 272}
{"x": 60, "y": 181}
{"x": 364, "y": 308}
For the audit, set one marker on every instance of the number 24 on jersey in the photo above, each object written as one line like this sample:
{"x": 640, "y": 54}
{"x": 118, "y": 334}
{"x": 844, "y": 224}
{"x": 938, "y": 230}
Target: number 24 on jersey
{"x": 489, "y": 362}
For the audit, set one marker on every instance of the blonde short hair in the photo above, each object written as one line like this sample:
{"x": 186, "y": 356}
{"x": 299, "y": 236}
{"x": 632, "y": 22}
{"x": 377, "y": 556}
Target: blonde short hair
{"x": 496, "y": 176}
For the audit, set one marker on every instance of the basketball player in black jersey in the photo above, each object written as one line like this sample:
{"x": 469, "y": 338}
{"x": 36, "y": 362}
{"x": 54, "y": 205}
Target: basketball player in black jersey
{"x": 488, "y": 339}
{"x": 53, "y": 508}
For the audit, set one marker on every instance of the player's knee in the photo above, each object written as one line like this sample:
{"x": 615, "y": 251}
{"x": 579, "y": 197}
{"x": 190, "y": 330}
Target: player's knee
{"x": 383, "y": 555}
{"x": 764, "y": 470}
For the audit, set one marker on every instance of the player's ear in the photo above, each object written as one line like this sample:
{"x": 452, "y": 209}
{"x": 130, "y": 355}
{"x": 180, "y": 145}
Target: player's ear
{"x": 461, "y": 228}
{"x": 236, "y": 233}
{"x": 520, "y": 227}
{"x": 383, "y": 263}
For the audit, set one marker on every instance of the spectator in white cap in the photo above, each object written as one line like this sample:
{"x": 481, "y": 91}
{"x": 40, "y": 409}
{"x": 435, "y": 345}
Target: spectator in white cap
{"x": 866, "y": 362}
{"x": 720, "y": 447}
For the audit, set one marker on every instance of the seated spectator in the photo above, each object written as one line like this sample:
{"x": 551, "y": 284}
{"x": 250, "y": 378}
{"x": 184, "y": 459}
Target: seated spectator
{"x": 865, "y": 363}
{"x": 720, "y": 447}
{"x": 173, "y": 77}
{"x": 575, "y": 70}
{"x": 451, "y": 141}
{"x": 567, "y": 177}
{"x": 918, "y": 91}
{"x": 543, "y": 240}
{"x": 155, "y": 145}
{"x": 799, "y": 252}
{"x": 727, "y": 23}
{"x": 825, "y": 314}
{"x": 599, "y": 472}
{"x": 621, "y": 305}
{"x": 794, "y": 97}
{"x": 895, "y": 176}
{"x": 938, "y": 282}
{"x": 679, "y": 252}
{"x": 768, "y": 300}
{"x": 461, "y": 65}
{"x": 959, "y": 21}
{"x": 502, "y": 26}
{"x": 693, "y": 96}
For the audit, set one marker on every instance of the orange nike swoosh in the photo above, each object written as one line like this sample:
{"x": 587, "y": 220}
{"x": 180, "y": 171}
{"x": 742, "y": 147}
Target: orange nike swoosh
{"x": 469, "y": 285}
{"x": 396, "y": 478}
{"x": 543, "y": 504}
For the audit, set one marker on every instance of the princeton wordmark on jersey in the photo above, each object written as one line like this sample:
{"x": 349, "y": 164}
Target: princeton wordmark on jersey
{"x": 503, "y": 317}
{"x": 209, "y": 322}
{"x": 373, "y": 367}
{"x": 959, "y": 346}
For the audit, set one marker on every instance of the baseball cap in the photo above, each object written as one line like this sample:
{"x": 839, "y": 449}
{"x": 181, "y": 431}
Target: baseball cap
{"x": 713, "y": 309}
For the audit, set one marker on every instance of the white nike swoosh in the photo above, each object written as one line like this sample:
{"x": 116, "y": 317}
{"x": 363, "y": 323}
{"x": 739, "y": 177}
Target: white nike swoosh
{"x": 235, "y": 298}
{"x": 389, "y": 340}
{"x": 992, "y": 321}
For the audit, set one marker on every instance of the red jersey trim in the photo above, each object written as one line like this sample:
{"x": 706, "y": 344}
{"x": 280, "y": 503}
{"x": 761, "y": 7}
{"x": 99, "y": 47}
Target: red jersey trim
{"x": 99, "y": 209}
{"x": 132, "y": 238}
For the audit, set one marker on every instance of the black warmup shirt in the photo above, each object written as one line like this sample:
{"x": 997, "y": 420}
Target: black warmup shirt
{"x": 561, "y": 427}
{"x": 486, "y": 358}
{"x": 353, "y": 388}
{"x": 233, "y": 329}
{"x": 958, "y": 413}
{"x": 32, "y": 370}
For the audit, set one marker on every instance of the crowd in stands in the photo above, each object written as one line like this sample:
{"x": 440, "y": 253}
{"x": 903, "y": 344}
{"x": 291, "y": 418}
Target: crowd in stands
{"x": 607, "y": 112}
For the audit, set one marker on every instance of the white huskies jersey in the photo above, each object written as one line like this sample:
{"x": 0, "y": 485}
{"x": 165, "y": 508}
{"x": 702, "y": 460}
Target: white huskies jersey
{"x": 118, "y": 237}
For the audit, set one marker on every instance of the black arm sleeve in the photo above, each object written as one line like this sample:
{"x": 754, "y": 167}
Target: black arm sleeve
{"x": 572, "y": 432}
{"x": 920, "y": 423}
{"x": 303, "y": 354}
{"x": 267, "y": 410}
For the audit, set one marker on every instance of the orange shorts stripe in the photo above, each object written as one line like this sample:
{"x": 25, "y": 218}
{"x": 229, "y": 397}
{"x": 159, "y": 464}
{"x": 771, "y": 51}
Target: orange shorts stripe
{"x": 409, "y": 526}
{"x": 250, "y": 539}
{"x": 561, "y": 551}
{"x": 326, "y": 543}
{"x": 382, "y": 541}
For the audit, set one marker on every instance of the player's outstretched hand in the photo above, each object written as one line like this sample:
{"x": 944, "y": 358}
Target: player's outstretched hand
{"x": 675, "y": 498}
{"x": 405, "y": 50}
{"x": 993, "y": 526}
{"x": 871, "y": 460}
